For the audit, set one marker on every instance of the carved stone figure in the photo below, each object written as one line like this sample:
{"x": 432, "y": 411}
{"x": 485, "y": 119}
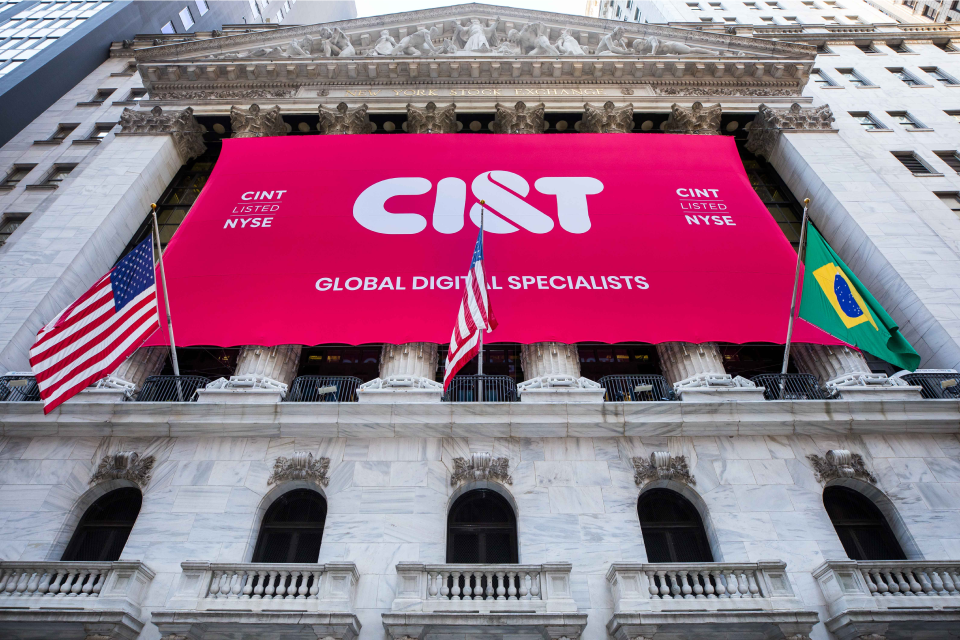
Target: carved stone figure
{"x": 534, "y": 41}
{"x": 653, "y": 46}
{"x": 384, "y": 46}
{"x": 432, "y": 119}
{"x": 301, "y": 466}
{"x": 511, "y": 46}
{"x": 698, "y": 119}
{"x": 339, "y": 41}
{"x": 613, "y": 44}
{"x": 662, "y": 466}
{"x": 125, "y": 465}
{"x": 519, "y": 119}
{"x": 256, "y": 123}
{"x": 343, "y": 119}
{"x": 840, "y": 463}
{"x": 186, "y": 132}
{"x": 419, "y": 43}
{"x": 607, "y": 119}
{"x": 476, "y": 37}
{"x": 766, "y": 127}
{"x": 481, "y": 466}
{"x": 567, "y": 45}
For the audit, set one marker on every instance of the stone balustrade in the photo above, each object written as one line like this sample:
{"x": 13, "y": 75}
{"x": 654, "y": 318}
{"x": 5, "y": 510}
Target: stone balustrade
{"x": 890, "y": 597}
{"x": 491, "y": 582}
{"x": 64, "y": 598}
{"x": 746, "y": 599}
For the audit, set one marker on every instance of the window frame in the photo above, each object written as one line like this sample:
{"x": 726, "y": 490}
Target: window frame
{"x": 858, "y": 79}
{"x": 115, "y": 527}
{"x": 953, "y": 206}
{"x": 899, "y": 155}
{"x": 944, "y": 78}
{"x": 294, "y": 528}
{"x": 827, "y": 80}
{"x": 899, "y": 72}
{"x": 172, "y": 28}
{"x": 912, "y": 124}
{"x": 48, "y": 178}
{"x": 6, "y": 184}
{"x": 481, "y": 529}
{"x": 202, "y": 7}
{"x": 189, "y": 14}
{"x": 950, "y": 158}
{"x": 669, "y": 529}
{"x": 10, "y": 217}
{"x": 877, "y": 124}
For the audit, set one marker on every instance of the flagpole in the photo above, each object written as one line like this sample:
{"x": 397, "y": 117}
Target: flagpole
{"x": 480, "y": 353}
{"x": 793, "y": 300}
{"x": 166, "y": 298}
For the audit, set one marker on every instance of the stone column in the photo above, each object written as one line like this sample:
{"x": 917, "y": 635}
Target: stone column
{"x": 263, "y": 374}
{"x": 841, "y": 369}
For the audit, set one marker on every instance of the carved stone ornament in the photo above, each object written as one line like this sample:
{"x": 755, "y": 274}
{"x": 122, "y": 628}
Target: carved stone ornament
{"x": 840, "y": 463}
{"x": 181, "y": 125}
{"x": 481, "y": 466}
{"x": 343, "y": 119}
{"x": 125, "y": 465}
{"x": 708, "y": 92}
{"x": 662, "y": 466}
{"x": 256, "y": 122}
{"x": 607, "y": 119}
{"x": 766, "y": 128}
{"x": 519, "y": 119}
{"x": 222, "y": 94}
{"x": 698, "y": 119}
{"x": 432, "y": 119}
{"x": 301, "y": 466}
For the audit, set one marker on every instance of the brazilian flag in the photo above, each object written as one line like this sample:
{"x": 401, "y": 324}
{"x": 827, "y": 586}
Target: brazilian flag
{"x": 837, "y": 302}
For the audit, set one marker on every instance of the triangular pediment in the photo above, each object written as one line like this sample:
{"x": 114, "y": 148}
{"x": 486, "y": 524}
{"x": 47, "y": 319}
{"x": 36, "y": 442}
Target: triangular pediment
{"x": 473, "y": 31}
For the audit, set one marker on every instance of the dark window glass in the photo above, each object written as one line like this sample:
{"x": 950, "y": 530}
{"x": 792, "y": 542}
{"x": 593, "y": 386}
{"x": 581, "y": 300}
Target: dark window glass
{"x": 861, "y": 527}
{"x": 362, "y": 362}
{"x": 17, "y": 174}
{"x": 481, "y": 529}
{"x": 104, "y": 528}
{"x": 292, "y": 529}
{"x": 912, "y": 162}
{"x": 672, "y": 528}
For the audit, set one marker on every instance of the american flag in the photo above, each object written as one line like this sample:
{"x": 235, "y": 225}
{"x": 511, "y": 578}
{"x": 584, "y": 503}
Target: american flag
{"x": 474, "y": 316}
{"x": 88, "y": 340}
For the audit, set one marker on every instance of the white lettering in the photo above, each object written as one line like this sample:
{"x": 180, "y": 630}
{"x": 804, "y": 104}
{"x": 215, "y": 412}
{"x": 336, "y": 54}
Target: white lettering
{"x": 449, "y": 206}
{"x": 349, "y": 280}
{"x": 506, "y": 204}
{"x": 369, "y": 210}
{"x": 324, "y": 284}
{"x": 419, "y": 282}
{"x": 251, "y": 195}
{"x": 571, "y": 193}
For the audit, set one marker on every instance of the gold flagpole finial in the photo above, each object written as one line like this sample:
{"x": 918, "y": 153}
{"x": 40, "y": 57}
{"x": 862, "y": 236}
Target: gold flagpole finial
{"x": 153, "y": 206}
{"x": 806, "y": 202}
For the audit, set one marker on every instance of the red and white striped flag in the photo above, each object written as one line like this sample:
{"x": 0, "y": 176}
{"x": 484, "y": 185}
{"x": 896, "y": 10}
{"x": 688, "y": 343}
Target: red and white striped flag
{"x": 474, "y": 316}
{"x": 88, "y": 340}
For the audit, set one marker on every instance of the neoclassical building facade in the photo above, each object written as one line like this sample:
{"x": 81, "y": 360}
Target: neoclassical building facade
{"x": 631, "y": 491}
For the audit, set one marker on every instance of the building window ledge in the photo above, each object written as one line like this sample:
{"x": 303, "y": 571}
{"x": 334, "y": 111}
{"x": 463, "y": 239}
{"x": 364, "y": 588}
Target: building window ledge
{"x": 48, "y": 142}
{"x": 88, "y": 141}
{"x": 922, "y": 86}
{"x": 869, "y": 86}
{"x": 918, "y": 130}
{"x": 928, "y": 175}
{"x": 121, "y": 74}
{"x": 7, "y": 187}
{"x": 125, "y": 103}
{"x": 40, "y": 187}
{"x": 89, "y": 104}
{"x": 878, "y": 130}
{"x": 833, "y": 87}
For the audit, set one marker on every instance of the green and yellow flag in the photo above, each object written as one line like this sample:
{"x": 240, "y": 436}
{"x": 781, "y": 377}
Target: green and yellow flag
{"x": 837, "y": 302}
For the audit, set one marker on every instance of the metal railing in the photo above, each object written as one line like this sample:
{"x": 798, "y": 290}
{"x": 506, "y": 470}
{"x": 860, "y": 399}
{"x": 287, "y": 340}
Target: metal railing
{"x": 636, "y": 388}
{"x": 19, "y": 389}
{"x": 789, "y": 386}
{"x": 171, "y": 388}
{"x": 935, "y": 386}
{"x": 324, "y": 389}
{"x": 494, "y": 389}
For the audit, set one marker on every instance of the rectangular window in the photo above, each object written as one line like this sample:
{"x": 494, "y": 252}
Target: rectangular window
{"x": 821, "y": 78}
{"x": 854, "y": 78}
{"x": 905, "y": 120}
{"x": 202, "y": 7}
{"x": 912, "y": 162}
{"x": 706, "y": 19}
{"x": 830, "y": 20}
{"x": 186, "y": 18}
{"x": 63, "y": 131}
{"x": 693, "y": 6}
{"x": 766, "y": 19}
{"x": 58, "y": 174}
{"x": 867, "y": 48}
{"x": 286, "y": 7}
{"x": 280, "y": 14}
{"x": 953, "y": 114}
{"x": 951, "y": 158}
{"x": 940, "y": 76}
{"x": 866, "y": 120}
{"x": 952, "y": 200}
{"x": 137, "y": 95}
{"x": 790, "y": 20}
{"x": 101, "y": 130}
{"x": 16, "y": 175}
{"x": 905, "y": 77}
{"x": 9, "y": 223}
{"x": 823, "y": 48}
{"x": 729, "y": 19}
{"x": 168, "y": 29}
{"x": 945, "y": 46}
{"x": 102, "y": 94}
{"x": 900, "y": 47}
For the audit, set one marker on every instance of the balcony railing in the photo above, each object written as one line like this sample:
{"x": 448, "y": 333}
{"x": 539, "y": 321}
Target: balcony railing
{"x": 19, "y": 388}
{"x": 935, "y": 386}
{"x": 485, "y": 388}
{"x": 789, "y": 386}
{"x": 636, "y": 388}
{"x": 324, "y": 389}
{"x": 171, "y": 388}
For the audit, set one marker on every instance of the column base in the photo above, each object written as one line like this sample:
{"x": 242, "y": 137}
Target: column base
{"x": 400, "y": 390}
{"x": 554, "y": 389}
{"x": 721, "y": 394}
{"x": 99, "y": 396}
{"x": 879, "y": 393}
{"x": 239, "y": 396}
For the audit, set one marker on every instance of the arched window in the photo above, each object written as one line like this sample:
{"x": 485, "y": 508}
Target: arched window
{"x": 672, "y": 528}
{"x": 863, "y": 530}
{"x": 105, "y": 527}
{"x": 481, "y": 529}
{"x": 292, "y": 528}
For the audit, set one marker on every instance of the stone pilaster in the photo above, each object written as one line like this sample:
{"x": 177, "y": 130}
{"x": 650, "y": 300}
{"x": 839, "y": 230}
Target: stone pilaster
{"x": 416, "y": 359}
{"x": 607, "y": 119}
{"x": 549, "y": 359}
{"x": 181, "y": 126}
{"x": 432, "y": 119}
{"x": 766, "y": 128}
{"x": 343, "y": 120}
{"x": 844, "y": 370}
{"x": 519, "y": 119}
{"x": 256, "y": 122}
{"x": 698, "y": 119}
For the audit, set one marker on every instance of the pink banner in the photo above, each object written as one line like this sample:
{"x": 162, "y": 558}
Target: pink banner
{"x": 589, "y": 237}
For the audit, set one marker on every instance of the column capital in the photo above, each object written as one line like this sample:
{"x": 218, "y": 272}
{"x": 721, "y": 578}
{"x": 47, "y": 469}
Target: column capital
{"x": 432, "y": 119}
{"x": 608, "y": 118}
{"x": 766, "y": 127}
{"x": 256, "y": 122}
{"x": 520, "y": 118}
{"x": 181, "y": 125}
{"x": 697, "y": 119}
{"x": 343, "y": 119}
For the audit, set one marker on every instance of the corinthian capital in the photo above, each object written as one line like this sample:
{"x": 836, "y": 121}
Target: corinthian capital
{"x": 256, "y": 122}
{"x": 519, "y": 119}
{"x": 343, "y": 119}
{"x": 181, "y": 125}
{"x": 766, "y": 127}
{"x": 698, "y": 119}
{"x": 607, "y": 119}
{"x": 432, "y": 119}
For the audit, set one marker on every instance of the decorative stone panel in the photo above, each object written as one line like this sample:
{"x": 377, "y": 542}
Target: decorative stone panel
{"x": 840, "y": 463}
{"x": 481, "y": 466}
{"x": 343, "y": 120}
{"x": 432, "y": 119}
{"x": 181, "y": 125}
{"x": 607, "y": 119}
{"x": 698, "y": 119}
{"x": 124, "y": 465}
{"x": 766, "y": 127}
{"x": 519, "y": 119}
{"x": 301, "y": 466}
{"x": 662, "y": 466}
{"x": 256, "y": 122}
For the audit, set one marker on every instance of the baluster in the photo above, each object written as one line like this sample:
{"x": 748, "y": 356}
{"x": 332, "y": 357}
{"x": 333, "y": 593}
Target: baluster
{"x": 78, "y": 585}
{"x": 753, "y": 584}
{"x": 248, "y": 578}
{"x": 225, "y": 579}
{"x": 315, "y": 587}
{"x": 44, "y": 583}
{"x": 455, "y": 590}
{"x": 271, "y": 588}
{"x": 868, "y": 579}
{"x": 652, "y": 584}
{"x": 882, "y": 587}
{"x": 949, "y": 586}
{"x": 4, "y": 576}
{"x": 235, "y": 584}
{"x": 524, "y": 589}
{"x": 302, "y": 591}
{"x": 214, "y": 589}
{"x": 664, "y": 587}
{"x": 54, "y": 587}
{"x": 501, "y": 586}
{"x": 101, "y": 578}
{"x": 511, "y": 585}
{"x": 33, "y": 583}
{"x": 954, "y": 575}
{"x": 685, "y": 585}
{"x": 432, "y": 588}
{"x": 903, "y": 584}
{"x": 258, "y": 588}
{"x": 88, "y": 585}
{"x": 733, "y": 588}
{"x": 697, "y": 587}
{"x": 892, "y": 583}
{"x": 936, "y": 583}
{"x": 914, "y": 581}
{"x": 743, "y": 585}
{"x": 23, "y": 581}
{"x": 707, "y": 585}
{"x": 718, "y": 581}
{"x": 444, "y": 585}
{"x": 285, "y": 587}
{"x": 535, "y": 586}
